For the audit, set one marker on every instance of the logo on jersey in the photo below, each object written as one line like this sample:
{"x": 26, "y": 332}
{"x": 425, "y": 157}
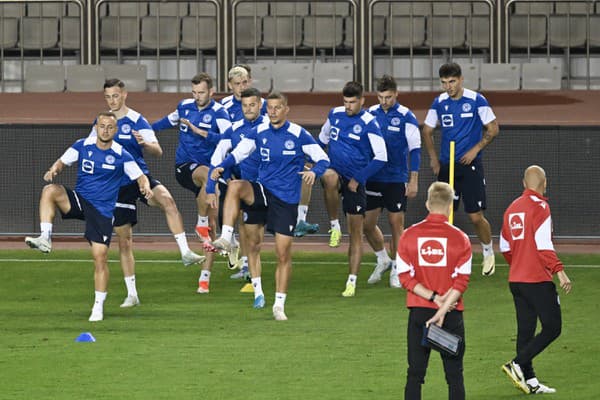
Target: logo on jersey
{"x": 516, "y": 221}
{"x": 432, "y": 251}
{"x": 125, "y": 128}
{"x": 395, "y": 121}
{"x": 265, "y": 154}
{"x": 110, "y": 159}
{"x": 334, "y": 133}
{"x": 232, "y": 115}
{"x": 207, "y": 118}
{"x": 289, "y": 144}
{"x": 466, "y": 107}
{"x": 447, "y": 120}
{"x": 264, "y": 140}
{"x": 357, "y": 129}
{"x": 90, "y": 153}
{"x": 87, "y": 166}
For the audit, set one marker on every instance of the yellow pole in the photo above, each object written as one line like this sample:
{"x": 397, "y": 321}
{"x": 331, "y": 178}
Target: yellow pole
{"x": 451, "y": 179}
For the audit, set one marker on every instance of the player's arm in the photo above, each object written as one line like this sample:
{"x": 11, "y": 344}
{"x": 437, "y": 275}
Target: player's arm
{"x": 166, "y": 122}
{"x": 489, "y": 134}
{"x": 148, "y": 141}
{"x": 413, "y": 138}
{"x": 70, "y": 156}
{"x": 451, "y": 298}
{"x": 144, "y": 185}
{"x": 379, "y": 159}
{"x": 54, "y": 170}
{"x": 318, "y": 156}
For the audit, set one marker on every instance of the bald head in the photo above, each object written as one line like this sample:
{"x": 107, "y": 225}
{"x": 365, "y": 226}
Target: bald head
{"x": 535, "y": 179}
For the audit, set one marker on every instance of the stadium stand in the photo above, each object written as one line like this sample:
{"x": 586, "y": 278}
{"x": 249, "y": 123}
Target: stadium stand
{"x": 44, "y": 78}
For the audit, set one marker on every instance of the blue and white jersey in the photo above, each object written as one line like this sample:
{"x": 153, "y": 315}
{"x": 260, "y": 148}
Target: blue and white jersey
{"x": 234, "y": 107}
{"x": 192, "y": 147}
{"x": 282, "y": 152}
{"x": 100, "y": 172}
{"x": 461, "y": 120}
{"x": 355, "y": 145}
{"x": 133, "y": 121}
{"x": 400, "y": 130}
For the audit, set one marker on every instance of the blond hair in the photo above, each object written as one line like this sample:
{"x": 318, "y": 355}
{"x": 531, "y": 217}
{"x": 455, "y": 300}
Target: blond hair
{"x": 439, "y": 196}
{"x": 238, "y": 72}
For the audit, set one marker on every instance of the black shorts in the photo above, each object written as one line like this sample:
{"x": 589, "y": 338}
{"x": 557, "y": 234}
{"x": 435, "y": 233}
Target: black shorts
{"x": 98, "y": 228}
{"x": 126, "y": 207}
{"x": 183, "y": 174}
{"x": 469, "y": 184}
{"x": 267, "y": 209}
{"x": 354, "y": 203}
{"x": 388, "y": 195}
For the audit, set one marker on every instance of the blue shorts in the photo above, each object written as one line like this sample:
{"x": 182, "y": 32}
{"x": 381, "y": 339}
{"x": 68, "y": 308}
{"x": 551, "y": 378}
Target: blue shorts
{"x": 353, "y": 203}
{"x": 126, "y": 207}
{"x": 469, "y": 184}
{"x": 388, "y": 195}
{"x": 278, "y": 216}
{"x": 183, "y": 174}
{"x": 98, "y": 228}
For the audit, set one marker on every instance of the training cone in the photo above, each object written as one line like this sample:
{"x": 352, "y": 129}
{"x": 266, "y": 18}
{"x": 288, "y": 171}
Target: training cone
{"x": 85, "y": 337}
{"x": 248, "y": 288}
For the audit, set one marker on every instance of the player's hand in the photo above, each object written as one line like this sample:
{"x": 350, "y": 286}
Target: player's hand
{"x": 353, "y": 185}
{"x": 435, "y": 166}
{"x": 193, "y": 127}
{"x": 308, "y": 177}
{"x": 211, "y": 199}
{"x": 565, "y": 282}
{"x": 216, "y": 173}
{"x": 147, "y": 192}
{"x": 139, "y": 138}
{"x": 411, "y": 189}
{"x": 437, "y": 319}
{"x": 469, "y": 156}
{"x": 49, "y": 175}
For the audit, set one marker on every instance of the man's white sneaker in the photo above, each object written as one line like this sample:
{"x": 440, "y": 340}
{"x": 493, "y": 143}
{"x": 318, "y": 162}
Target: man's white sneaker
{"x": 97, "y": 315}
{"x": 233, "y": 258}
{"x": 241, "y": 274}
{"x": 40, "y": 243}
{"x": 514, "y": 372}
{"x": 191, "y": 258}
{"x": 488, "y": 265}
{"x": 394, "y": 280}
{"x": 540, "y": 389}
{"x": 222, "y": 245}
{"x": 130, "y": 301}
{"x": 279, "y": 314}
{"x": 380, "y": 268}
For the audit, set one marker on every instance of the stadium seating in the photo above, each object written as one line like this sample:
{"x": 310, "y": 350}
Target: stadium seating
{"x": 39, "y": 33}
{"x": 405, "y": 32}
{"x": 10, "y": 33}
{"x": 323, "y": 31}
{"x": 331, "y": 77}
{"x": 292, "y": 77}
{"x": 289, "y": 8}
{"x": 537, "y": 76}
{"x": 44, "y": 78}
{"x": 478, "y": 32}
{"x": 199, "y": 32}
{"x": 85, "y": 78}
{"x": 261, "y": 76}
{"x": 527, "y": 31}
{"x": 134, "y": 76}
{"x": 470, "y": 72}
{"x": 500, "y": 76}
{"x": 445, "y": 32}
{"x": 160, "y": 32}
{"x": 119, "y": 32}
{"x": 282, "y": 32}
{"x": 567, "y": 31}
{"x": 70, "y": 33}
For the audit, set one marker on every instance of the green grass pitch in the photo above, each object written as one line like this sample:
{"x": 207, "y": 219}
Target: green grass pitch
{"x": 181, "y": 345}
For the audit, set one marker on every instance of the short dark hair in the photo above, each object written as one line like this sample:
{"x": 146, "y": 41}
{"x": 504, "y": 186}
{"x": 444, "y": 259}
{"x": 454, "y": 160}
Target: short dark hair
{"x": 250, "y": 92}
{"x": 113, "y": 82}
{"x": 352, "y": 89}
{"x": 203, "y": 77}
{"x": 387, "y": 82}
{"x": 450, "y": 70}
{"x": 277, "y": 95}
{"x": 109, "y": 114}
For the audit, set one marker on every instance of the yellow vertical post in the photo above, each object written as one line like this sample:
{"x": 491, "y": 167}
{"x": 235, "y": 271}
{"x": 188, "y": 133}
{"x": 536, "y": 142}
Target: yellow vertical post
{"x": 451, "y": 179}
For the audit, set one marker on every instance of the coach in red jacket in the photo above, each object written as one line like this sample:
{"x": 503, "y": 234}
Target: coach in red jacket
{"x": 526, "y": 243}
{"x": 434, "y": 265}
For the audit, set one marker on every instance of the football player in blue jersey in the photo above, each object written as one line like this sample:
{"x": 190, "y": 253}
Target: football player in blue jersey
{"x": 467, "y": 119}
{"x": 397, "y": 181}
{"x": 282, "y": 147}
{"x": 137, "y": 137}
{"x": 201, "y": 123}
{"x": 102, "y": 166}
{"x": 357, "y": 151}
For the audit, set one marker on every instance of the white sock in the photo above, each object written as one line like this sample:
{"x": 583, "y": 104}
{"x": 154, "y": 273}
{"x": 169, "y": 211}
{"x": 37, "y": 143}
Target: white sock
{"x": 351, "y": 279}
{"x": 382, "y": 256}
{"x": 533, "y": 381}
{"x": 302, "y": 211}
{"x": 257, "y": 285}
{"x": 227, "y": 232}
{"x": 204, "y": 276}
{"x": 335, "y": 224}
{"x": 280, "y": 299}
{"x": 130, "y": 283}
{"x": 244, "y": 261}
{"x": 202, "y": 220}
{"x": 46, "y": 229}
{"x": 99, "y": 300}
{"x": 488, "y": 249}
{"x": 182, "y": 243}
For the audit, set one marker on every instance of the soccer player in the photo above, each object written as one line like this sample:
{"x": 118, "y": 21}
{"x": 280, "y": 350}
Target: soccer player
{"x": 102, "y": 165}
{"x": 397, "y": 181}
{"x": 434, "y": 265}
{"x": 282, "y": 147}
{"x": 357, "y": 151}
{"x": 201, "y": 122}
{"x": 251, "y": 228}
{"x": 137, "y": 137}
{"x": 467, "y": 119}
{"x": 526, "y": 244}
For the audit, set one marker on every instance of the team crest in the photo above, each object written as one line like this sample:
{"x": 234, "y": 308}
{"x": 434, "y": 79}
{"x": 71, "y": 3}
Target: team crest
{"x": 125, "y": 128}
{"x": 516, "y": 221}
{"x": 207, "y": 118}
{"x": 110, "y": 159}
{"x": 432, "y": 251}
{"x": 466, "y": 107}
{"x": 395, "y": 121}
{"x": 289, "y": 144}
{"x": 357, "y": 129}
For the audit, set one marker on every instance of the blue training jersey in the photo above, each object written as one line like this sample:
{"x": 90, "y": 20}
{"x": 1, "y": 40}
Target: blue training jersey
{"x": 282, "y": 152}
{"x": 355, "y": 145}
{"x": 461, "y": 121}
{"x": 234, "y": 108}
{"x": 400, "y": 130}
{"x": 192, "y": 147}
{"x": 100, "y": 172}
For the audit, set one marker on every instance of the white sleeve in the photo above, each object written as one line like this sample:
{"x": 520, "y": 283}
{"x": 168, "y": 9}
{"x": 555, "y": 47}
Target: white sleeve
{"x": 70, "y": 156}
{"x": 504, "y": 244}
{"x": 324, "y": 134}
{"x": 413, "y": 136}
{"x": 543, "y": 235}
{"x": 315, "y": 152}
{"x": 243, "y": 149}
{"x": 402, "y": 267}
{"x": 220, "y": 152}
{"x": 486, "y": 114}
{"x": 132, "y": 170}
{"x": 93, "y": 132}
{"x": 148, "y": 135}
{"x": 431, "y": 119}
{"x": 378, "y": 147}
{"x": 173, "y": 118}
{"x": 223, "y": 124}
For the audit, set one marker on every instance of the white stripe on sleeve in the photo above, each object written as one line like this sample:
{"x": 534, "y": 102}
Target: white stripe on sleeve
{"x": 220, "y": 152}
{"x": 324, "y": 134}
{"x": 378, "y": 147}
{"x": 431, "y": 119}
{"x": 402, "y": 267}
{"x": 223, "y": 124}
{"x": 504, "y": 244}
{"x": 132, "y": 170}
{"x": 174, "y": 118}
{"x": 413, "y": 137}
{"x": 486, "y": 114}
{"x": 543, "y": 235}
{"x": 70, "y": 156}
{"x": 243, "y": 149}
{"x": 315, "y": 152}
{"x": 464, "y": 269}
{"x": 148, "y": 135}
